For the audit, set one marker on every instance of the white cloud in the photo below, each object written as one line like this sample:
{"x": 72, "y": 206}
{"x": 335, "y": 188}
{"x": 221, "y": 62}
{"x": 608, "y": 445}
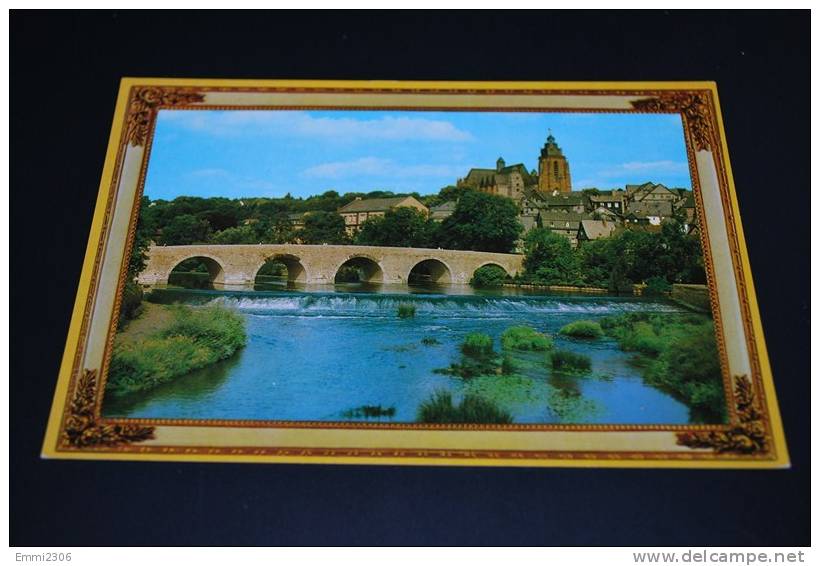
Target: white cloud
{"x": 645, "y": 168}
{"x": 375, "y": 166}
{"x": 302, "y": 124}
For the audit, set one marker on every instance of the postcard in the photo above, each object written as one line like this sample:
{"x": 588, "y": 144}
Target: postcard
{"x": 428, "y": 273}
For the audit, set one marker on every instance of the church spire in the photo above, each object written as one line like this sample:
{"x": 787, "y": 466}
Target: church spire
{"x": 553, "y": 168}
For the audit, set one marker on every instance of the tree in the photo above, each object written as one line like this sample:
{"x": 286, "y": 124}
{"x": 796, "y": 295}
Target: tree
{"x": 324, "y": 228}
{"x": 238, "y": 235}
{"x": 221, "y": 213}
{"x": 481, "y": 222}
{"x": 277, "y": 230}
{"x": 184, "y": 230}
{"x": 400, "y": 227}
{"x": 142, "y": 240}
{"x": 550, "y": 259}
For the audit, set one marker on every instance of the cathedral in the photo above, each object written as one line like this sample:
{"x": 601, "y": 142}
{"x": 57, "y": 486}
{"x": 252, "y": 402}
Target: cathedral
{"x": 515, "y": 182}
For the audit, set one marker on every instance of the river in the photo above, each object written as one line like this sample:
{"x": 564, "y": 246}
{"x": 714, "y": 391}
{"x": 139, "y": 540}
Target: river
{"x": 319, "y": 354}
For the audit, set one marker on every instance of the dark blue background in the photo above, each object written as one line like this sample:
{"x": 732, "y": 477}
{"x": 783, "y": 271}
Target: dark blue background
{"x": 65, "y": 69}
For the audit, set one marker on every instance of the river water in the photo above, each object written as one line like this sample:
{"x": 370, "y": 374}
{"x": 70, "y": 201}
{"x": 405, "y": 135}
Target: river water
{"x": 320, "y": 354}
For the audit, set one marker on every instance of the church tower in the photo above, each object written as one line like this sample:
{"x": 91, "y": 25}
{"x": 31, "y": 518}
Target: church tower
{"x": 553, "y": 169}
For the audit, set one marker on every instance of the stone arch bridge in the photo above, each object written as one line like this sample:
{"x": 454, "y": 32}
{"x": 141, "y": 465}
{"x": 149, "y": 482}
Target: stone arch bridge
{"x": 316, "y": 264}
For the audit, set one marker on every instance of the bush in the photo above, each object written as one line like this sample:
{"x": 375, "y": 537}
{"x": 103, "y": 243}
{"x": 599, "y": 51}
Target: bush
{"x": 488, "y": 276}
{"x": 690, "y": 369}
{"x": 472, "y": 410}
{"x": 131, "y": 301}
{"x": 656, "y": 287}
{"x": 681, "y": 357}
{"x": 406, "y": 310}
{"x": 643, "y": 339}
{"x": 524, "y": 338}
{"x": 478, "y": 358}
{"x": 369, "y": 412}
{"x": 567, "y": 361}
{"x": 194, "y": 339}
{"x": 477, "y": 345}
{"x": 582, "y": 329}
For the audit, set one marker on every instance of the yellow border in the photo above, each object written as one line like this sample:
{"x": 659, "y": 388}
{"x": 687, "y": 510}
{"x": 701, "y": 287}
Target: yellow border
{"x": 61, "y": 391}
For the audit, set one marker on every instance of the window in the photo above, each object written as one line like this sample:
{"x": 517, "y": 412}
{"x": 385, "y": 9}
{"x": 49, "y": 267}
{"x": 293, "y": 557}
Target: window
{"x": 555, "y": 169}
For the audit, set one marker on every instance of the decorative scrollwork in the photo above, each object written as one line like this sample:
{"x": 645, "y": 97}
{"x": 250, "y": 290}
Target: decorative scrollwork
{"x": 83, "y": 429}
{"x": 693, "y": 106}
{"x": 144, "y": 104}
{"x": 747, "y": 436}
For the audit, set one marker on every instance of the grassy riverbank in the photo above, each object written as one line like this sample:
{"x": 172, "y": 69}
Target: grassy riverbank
{"x": 166, "y": 342}
{"x": 678, "y": 354}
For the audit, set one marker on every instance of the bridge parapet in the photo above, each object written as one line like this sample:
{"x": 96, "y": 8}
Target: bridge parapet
{"x": 318, "y": 264}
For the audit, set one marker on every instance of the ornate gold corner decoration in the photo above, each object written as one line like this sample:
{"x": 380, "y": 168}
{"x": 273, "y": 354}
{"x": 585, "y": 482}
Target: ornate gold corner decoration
{"x": 694, "y": 106}
{"x": 747, "y": 436}
{"x": 82, "y": 427}
{"x": 143, "y": 108}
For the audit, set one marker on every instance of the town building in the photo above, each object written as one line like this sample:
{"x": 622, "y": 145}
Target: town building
{"x": 297, "y": 219}
{"x": 595, "y": 229}
{"x": 442, "y": 211}
{"x": 613, "y": 200}
{"x": 356, "y": 212}
{"x": 653, "y": 211}
{"x": 651, "y": 192}
{"x": 565, "y": 223}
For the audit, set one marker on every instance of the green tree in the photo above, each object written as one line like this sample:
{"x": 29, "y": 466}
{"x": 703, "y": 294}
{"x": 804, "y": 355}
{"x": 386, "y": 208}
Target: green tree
{"x": 324, "y": 228}
{"x": 399, "y": 227}
{"x": 184, "y": 230}
{"x": 597, "y": 261}
{"x": 142, "y": 240}
{"x": 481, "y": 222}
{"x": 549, "y": 258}
{"x": 276, "y": 230}
{"x": 221, "y": 213}
{"x": 238, "y": 235}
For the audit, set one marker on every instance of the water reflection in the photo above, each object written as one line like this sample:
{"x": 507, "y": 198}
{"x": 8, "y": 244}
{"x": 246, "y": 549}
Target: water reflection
{"x": 192, "y": 387}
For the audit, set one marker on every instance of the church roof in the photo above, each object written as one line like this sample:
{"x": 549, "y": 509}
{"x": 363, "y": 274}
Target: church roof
{"x": 477, "y": 175}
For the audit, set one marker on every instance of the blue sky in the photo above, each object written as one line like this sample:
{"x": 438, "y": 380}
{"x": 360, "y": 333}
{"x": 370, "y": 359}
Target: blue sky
{"x": 269, "y": 153}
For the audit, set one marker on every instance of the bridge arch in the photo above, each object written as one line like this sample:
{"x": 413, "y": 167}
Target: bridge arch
{"x": 494, "y": 264}
{"x": 430, "y": 270}
{"x": 186, "y": 271}
{"x": 369, "y": 268}
{"x": 297, "y": 273}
